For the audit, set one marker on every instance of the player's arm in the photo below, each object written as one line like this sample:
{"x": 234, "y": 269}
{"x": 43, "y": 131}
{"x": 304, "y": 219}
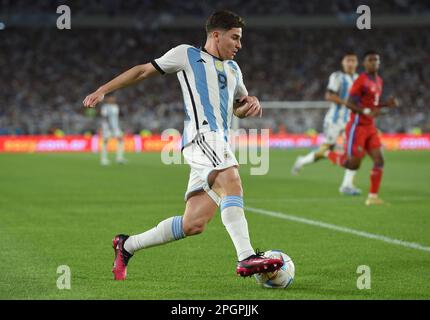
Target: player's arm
{"x": 391, "y": 102}
{"x": 332, "y": 96}
{"x": 172, "y": 61}
{"x": 128, "y": 78}
{"x": 352, "y": 104}
{"x": 245, "y": 105}
{"x": 353, "y": 101}
{"x": 333, "y": 87}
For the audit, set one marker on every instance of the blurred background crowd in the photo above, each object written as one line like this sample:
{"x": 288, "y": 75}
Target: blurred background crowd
{"x": 145, "y": 8}
{"x": 45, "y": 73}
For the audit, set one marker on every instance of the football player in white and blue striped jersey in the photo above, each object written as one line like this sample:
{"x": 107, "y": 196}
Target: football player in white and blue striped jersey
{"x": 109, "y": 112}
{"x": 335, "y": 120}
{"x": 213, "y": 90}
{"x": 210, "y": 86}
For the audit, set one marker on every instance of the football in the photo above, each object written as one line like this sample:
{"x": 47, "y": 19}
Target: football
{"x": 281, "y": 278}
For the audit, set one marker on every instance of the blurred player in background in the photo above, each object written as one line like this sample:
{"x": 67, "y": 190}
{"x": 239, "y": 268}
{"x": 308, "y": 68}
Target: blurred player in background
{"x": 213, "y": 89}
{"x": 361, "y": 133}
{"x": 110, "y": 129}
{"x": 335, "y": 120}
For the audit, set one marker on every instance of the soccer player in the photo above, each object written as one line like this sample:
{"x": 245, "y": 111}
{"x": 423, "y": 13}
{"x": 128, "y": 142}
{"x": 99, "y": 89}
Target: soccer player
{"x": 335, "y": 120}
{"x": 110, "y": 128}
{"x": 361, "y": 133}
{"x": 213, "y": 89}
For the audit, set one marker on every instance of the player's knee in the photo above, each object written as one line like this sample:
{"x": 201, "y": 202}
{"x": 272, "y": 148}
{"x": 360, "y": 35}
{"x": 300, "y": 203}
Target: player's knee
{"x": 379, "y": 162}
{"x": 352, "y": 164}
{"x": 234, "y": 186}
{"x": 229, "y": 183}
{"x": 319, "y": 154}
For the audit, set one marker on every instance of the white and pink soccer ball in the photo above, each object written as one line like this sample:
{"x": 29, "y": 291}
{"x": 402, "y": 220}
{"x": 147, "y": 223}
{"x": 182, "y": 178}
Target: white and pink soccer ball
{"x": 281, "y": 278}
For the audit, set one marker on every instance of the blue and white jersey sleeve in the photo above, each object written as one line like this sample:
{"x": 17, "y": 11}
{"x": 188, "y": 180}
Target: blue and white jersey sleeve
{"x": 241, "y": 88}
{"x": 173, "y": 60}
{"x": 334, "y": 82}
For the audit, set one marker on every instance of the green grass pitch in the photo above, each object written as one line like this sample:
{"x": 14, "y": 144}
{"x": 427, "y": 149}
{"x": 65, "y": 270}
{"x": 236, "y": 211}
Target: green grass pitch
{"x": 64, "y": 209}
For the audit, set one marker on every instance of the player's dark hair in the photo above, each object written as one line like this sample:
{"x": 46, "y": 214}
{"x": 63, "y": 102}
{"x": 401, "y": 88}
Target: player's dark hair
{"x": 348, "y": 53}
{"x": 369, "y": 52}
{"x": 224, "y": 20}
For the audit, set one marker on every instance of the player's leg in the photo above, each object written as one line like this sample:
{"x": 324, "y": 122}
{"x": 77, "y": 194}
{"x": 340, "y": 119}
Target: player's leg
{"x": 103, "y": 154}
{"x": 350, "y": 159}
{"x": 347, "y": 187}
{"x": 331, "y": 133}
{"x": 120, "y": 147}
{"x": 374, "y": 150}
{"x": 199, "y": 210}
{"x": 105, "y": 135}
{"x": 340, "y": 158}
{"x": 311, "y": 157}
{"x": 227, "y": 185}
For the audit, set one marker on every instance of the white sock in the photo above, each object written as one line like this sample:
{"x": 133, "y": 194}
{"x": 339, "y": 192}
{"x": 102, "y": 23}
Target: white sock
{"x": 233, "y": 218}
{"x": 104, "y": 150}
{"x": 309, "y": 158}
{"x": 120, "y": 150}
{"x": 166, "y": 231}
{"x": 348, "y": 178}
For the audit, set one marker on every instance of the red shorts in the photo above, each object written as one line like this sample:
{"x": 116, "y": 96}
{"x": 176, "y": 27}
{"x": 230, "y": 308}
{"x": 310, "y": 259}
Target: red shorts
{"x": 361, "y": 139}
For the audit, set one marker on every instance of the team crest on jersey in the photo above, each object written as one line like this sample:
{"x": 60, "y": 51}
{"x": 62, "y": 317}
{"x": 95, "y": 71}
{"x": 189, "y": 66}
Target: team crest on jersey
{"x": 219, "y": 66}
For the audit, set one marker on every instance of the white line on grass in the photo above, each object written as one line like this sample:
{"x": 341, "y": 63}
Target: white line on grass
{"x": 331, "y": 199}
{"x": 320, "y": 224}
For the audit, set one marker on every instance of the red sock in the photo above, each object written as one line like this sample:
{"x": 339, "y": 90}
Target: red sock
{"x": 337, "y": 158}
{"x": 375, "y": 179}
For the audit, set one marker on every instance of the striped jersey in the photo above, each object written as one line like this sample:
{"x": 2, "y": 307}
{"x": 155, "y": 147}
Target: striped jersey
{"x": 340, "y": 83}
{"x": 209, "y": 88}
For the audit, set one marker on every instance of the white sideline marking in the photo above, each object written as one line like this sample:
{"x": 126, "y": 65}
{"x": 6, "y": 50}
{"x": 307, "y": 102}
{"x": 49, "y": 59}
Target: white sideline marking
{"x": 331, "y": 199}
{"x": 320, "y": 224}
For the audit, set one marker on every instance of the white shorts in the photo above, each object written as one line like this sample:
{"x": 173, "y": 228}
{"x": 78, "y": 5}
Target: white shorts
{"x": 109, "y": 132}
{"x": 207, "y": 152}
{"x": 332, "y": 131}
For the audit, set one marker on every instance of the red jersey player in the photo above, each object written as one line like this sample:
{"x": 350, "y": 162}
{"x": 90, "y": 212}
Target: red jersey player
{"x": 361, "y": 133}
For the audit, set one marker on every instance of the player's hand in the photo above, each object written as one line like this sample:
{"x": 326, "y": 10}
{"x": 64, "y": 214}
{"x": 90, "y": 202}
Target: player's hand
{"x": 250, "y": 107}
{"x": 375, "y": 112}
{"x": 392, "y": 102}
{"x": 93, "y": 99}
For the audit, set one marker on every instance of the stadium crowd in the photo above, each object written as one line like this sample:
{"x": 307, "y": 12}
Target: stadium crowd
{"x": 154, "y": 8}
{"x": 45, "y": 74}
